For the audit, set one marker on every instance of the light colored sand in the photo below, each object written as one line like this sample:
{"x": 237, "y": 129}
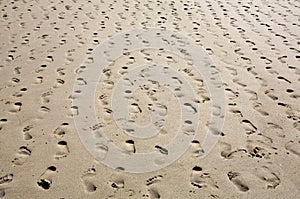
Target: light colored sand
{"x": 254, "y": 46}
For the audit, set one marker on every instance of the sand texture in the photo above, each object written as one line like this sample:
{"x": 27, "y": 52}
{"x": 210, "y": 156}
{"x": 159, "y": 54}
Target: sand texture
{"x": 49, "y": 58}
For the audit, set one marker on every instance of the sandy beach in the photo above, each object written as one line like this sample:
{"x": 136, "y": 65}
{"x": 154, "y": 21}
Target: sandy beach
{"x": 150, "y": 99}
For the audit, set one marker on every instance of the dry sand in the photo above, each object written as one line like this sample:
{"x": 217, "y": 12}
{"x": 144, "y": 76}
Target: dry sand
{"x": 254, "y": 46}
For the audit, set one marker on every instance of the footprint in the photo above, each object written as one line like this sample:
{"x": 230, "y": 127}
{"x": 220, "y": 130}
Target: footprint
{"x": 265, "y": 174}
{"x": 59, "y": 83}
{"x": 201, "y": 179}
{"x": 238, "y": 181}
{"x": 38, "y": 80}
{"x": 103, "y": 98}
{"x": 237, "y": 81}
{"x": 154, "y": 180}
{"x": 44, "y": 109}
{"x": 17, "y": 70}
{"x": 250, "y": 128}
{"x": 15, "y": 80}
{"x": 26, "y": 134}
{"x": 63, "y": 150}
{"x": 17, "y": 94}
{"x": 151, "y": 183}
{"x": 227, "y": 152}
{"x": 259, "y": 108}
{"x": 73, "y": 111}
{"x": 77, "y": 93}
{"x": 46, "y": 96}
{"x": 236, "y": 111}
{"x": 160, "y": 109}
{"x": 45, "y": 180}
{"x": 102, "y": 149}
{"x": 6, "y": 179}
{"x": 49, "y": 58}
{"x": 162, "y": 150}
{"x": 81, "y": 81}
{"x": 233, "y": 70}
{"x": 282, "y": 59}
{"x": 130, "y": 146}
{"x": 273, "y": 129}
{"x": 263, "y": 82}
{"x": 87, "y": 177}
{"x": 40, "y": 68}
{"x": 117, "y": 182}
{"x": 294, "y": 147}
{"x": 271, "y": 71}
{"x": 16, "y": 107}
{"x": 22, "y": 155}
{"x": 270, "y": 94}
{"x": 2, "y": 122}
{"x": 296, "y": 125}
{"x": 153, "y": 192}
{"x": 61, "y": 71}
{"x": 252, "y": 93}
{"x": 231, "y": 94}
{"x": 61, "y": 131}
{"x": 191, "y": 107}
{"x": 261, "y": 148}
{"x": 197, "y": 150}
{"x": 283, "y": 78}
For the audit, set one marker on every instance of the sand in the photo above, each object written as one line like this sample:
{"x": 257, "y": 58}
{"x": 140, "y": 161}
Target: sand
{"x": 50, "y": 52}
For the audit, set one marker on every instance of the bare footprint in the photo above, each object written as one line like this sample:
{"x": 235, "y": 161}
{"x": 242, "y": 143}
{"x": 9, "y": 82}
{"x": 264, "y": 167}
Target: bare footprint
{"x": 151, "y": 183}
{"x": 201, "y": 179}
{"x": 4, "y": 182}
{"x": 260, "y": 148}
{"x": 154, "y": 180}
{"x": 252, "y": 93}
{"x": 61, "y": 131}
{"x": 63, "y": 150}
{"x": 273, "y": 129}
{"x": 259, "y": 108}
{"x": 38, "y": 80}
{"x": 238, "y": 82}
{"x": 270, "y": 94}
{"x": 227, "y": 151}
{"x": 16, "y": 107}
{"x": 3, "y": 121}
{"x": 197, "y": 150}
{"x": 45, "y": 180}
{"x": 249, "y": 127}
{"x": 22, "y": 155}
{"x": 130, "y": 146}
{"x": 73, "y": 111}
{"x": 44, "y": 109}
{"x": 238, "y": 181}
{"x": 46, "y": 96}
{"x": 87, "y": 177}
{"x": 294, "y": 147}
{"x": 59, "y": 83}
{"x": 26, "y": 134}
{"x": 265, "y": 174}
{"x": 153, "y": 192}
{"x": 117, "y": 182}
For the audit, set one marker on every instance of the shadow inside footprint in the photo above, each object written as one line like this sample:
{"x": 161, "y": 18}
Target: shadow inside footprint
{"x": 201, "y": 179}
{"x": 45, "y": 179}
{"x": 236, "y": 179}
{"x": 22, "y": 155}
{"x": 86, "y": 178}
{"x": 2, "y": 193}
{"x": 63, "y": 150}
